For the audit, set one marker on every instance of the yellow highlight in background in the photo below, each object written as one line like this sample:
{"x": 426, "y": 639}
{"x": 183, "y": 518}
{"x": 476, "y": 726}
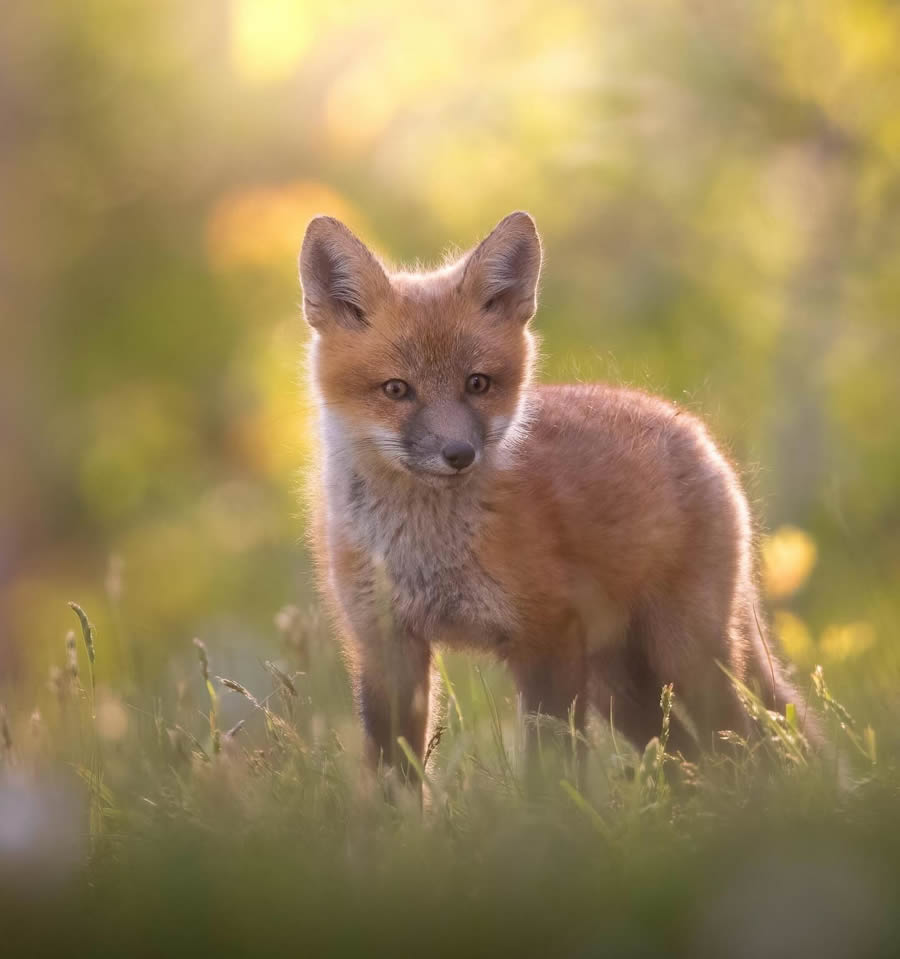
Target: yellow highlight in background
{"x": 270, "y": 37}
{"x": 840, "y": 643}
{"x": 789, "y": 556}
{"x": 264, "y": 225}
{"x": 795, "y": 638}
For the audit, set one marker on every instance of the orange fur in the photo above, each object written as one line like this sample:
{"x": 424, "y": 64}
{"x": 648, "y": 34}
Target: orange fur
{"x": 598, "y": 542}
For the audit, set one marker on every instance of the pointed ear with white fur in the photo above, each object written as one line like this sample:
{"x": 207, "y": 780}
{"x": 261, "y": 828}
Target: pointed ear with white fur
{"x": 503, "y": 271}
{"x": 341, "y": 279}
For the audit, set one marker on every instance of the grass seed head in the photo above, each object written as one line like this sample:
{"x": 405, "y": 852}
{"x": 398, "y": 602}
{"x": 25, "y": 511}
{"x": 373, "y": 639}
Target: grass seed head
{"x": 87, "y": 629}
{"x": 5, "y": 733}
{"x": 203, "y": 656}
{"x": 234, "y": 685}
{"x": 282, "y": 677}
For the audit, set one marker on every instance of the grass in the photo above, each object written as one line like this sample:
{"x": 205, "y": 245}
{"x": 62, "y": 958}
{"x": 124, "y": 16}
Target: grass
{"x": 233, "y": 816}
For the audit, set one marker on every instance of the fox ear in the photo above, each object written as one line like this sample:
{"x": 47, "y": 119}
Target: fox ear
{"x": 342, "y": 281}
{"x": 503, "y": 271}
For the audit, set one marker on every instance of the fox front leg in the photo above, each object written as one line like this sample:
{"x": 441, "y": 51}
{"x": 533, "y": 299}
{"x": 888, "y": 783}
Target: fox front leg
{"x": 389, "y": 663}
{"x": 393, "y": 677}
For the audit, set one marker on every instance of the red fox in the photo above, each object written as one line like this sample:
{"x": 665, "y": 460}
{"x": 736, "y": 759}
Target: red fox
{"x": 593, "y": 538}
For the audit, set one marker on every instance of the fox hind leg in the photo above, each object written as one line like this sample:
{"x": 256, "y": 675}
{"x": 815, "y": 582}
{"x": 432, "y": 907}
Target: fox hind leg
{"x": 626, "y": 692}
{"x": 689, "y": 651}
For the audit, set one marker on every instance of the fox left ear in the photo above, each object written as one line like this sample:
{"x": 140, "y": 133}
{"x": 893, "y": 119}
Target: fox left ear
{"x": 503, "y": 271}
{"x": 342, "y": 281}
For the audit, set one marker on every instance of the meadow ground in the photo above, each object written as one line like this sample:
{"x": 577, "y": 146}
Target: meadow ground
{"x": 232, "y": 816}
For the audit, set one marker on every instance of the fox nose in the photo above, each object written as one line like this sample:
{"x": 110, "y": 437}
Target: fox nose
{"x": 459, "y": 455}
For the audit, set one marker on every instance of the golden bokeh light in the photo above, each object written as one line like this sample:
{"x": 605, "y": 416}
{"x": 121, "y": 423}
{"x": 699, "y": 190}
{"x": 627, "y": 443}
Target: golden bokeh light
{"x": 795, "y": 638}
{"x": 264, "y": 225}
{"x": 849, "y": 641}
{"x": 270, "y": 37}
{"x": 789, "y": 556}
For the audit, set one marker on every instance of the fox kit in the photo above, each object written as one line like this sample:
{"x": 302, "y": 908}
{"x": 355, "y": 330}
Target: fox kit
{"x": 592, "y": 538}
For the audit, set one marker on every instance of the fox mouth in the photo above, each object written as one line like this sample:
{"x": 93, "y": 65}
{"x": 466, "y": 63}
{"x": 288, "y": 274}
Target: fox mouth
{"x": 440, "y": 477}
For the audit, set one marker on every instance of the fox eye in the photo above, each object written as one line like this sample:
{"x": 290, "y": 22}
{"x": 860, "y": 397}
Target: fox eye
{"x": 478, "y": 383}
{"x": 395, "y": 389}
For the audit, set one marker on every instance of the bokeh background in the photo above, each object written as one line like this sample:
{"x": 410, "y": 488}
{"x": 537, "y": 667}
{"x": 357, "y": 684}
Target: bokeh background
{"x": 718, "y": 189}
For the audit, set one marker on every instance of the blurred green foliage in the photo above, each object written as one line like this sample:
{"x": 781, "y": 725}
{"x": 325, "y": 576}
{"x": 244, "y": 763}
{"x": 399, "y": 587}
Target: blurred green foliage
{"x": 718, "y": 188}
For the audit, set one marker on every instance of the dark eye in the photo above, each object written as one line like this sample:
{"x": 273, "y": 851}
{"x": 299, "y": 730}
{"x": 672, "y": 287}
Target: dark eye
{"x": 395, "y": 389}
{"x": 478, "y": 383}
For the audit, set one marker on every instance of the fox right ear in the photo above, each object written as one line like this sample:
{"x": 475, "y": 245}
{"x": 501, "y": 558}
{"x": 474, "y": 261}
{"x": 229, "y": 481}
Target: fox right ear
{"x": 342, "y": 281}
{"x": 503, "y": 271}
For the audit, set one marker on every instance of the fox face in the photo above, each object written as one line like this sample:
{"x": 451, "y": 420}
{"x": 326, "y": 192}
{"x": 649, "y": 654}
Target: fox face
{"x": 423, "y": 373}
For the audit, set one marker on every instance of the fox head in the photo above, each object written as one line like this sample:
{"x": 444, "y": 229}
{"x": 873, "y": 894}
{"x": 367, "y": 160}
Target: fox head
{"x": 423, "y": 372}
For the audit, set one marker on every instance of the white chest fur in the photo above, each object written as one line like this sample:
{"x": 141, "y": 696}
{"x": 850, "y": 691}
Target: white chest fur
{"x": 425, "y": 539}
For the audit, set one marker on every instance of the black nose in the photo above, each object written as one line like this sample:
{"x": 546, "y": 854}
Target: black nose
{"x": 459, "y": 455}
